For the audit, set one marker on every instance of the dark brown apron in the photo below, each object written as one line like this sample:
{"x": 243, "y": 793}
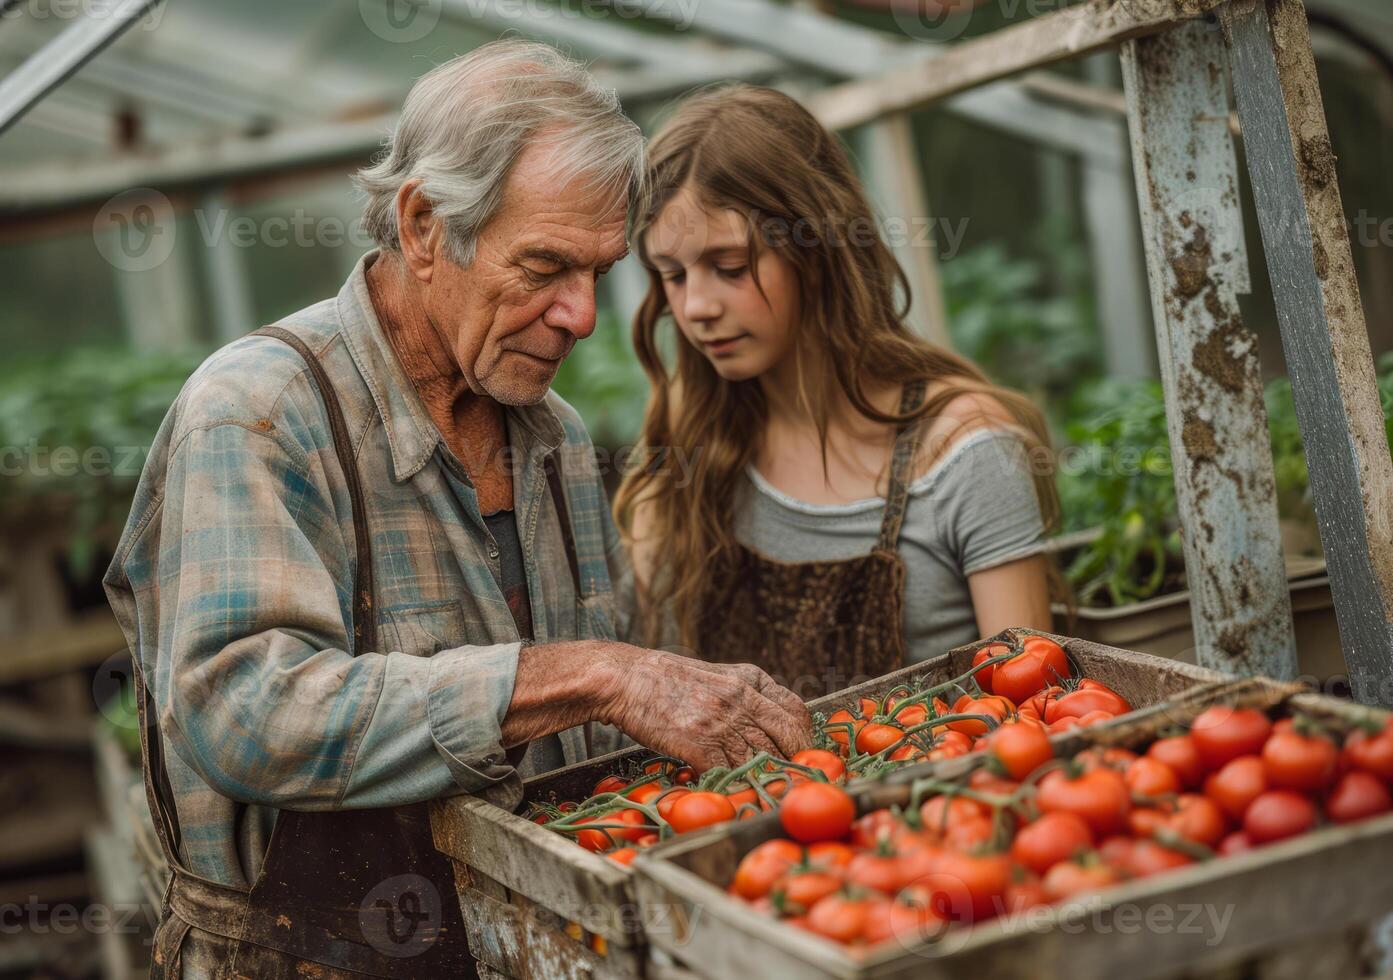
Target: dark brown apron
{"x": 340, "y": 893}
{"x": 818, "y": 626}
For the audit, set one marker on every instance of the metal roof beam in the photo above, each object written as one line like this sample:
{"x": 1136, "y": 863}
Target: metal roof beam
{"x": 62, "y": 57}
{"x": 828, "y": 44}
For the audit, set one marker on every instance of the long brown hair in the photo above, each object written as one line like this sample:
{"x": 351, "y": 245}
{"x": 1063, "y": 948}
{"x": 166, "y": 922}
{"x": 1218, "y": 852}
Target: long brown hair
{"x": 757, "y": 152}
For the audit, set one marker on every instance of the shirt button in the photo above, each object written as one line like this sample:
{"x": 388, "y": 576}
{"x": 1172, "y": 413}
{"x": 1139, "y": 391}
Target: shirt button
{"x": 491, "y": 760}
{"x": 493, "y": 551}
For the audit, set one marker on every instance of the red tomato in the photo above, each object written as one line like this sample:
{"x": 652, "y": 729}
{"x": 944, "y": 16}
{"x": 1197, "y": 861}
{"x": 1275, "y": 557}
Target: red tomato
{"x": 873, "y": 829}
{"x": 991, "y": 706}
{"x": 1152, "y": 777}
{"x": 836, "y": 726}
{"x": 969, "y": 835}
{"x": 763, "y": 866}
{"x": 594, "y": 840}
{"x": 646, "y": 793}
{"x": 879, "y": 872}
{"x": 968, "y": 887}
{"x": 914, "y": 714}
{"x": 875, "y": 737}
{"x": 1022, "y": 896}
{"x": 1306, "y": 763}
{"x": 1144, "y": 821}
{"x": 701, "y": 809}
{"x": 1147, "y": 857}
{"x": 610, "y": 784}
{"x": 984, "y": 676}
{"x": 938, "y": 813}
{"x": 1100, "y": 797}
{"x": 907, "y": 920}
{"x": 1041, "y": 665}
{"x": 669, "y": 799}
{"x": 1235, "y": 843}
{"x": 817, "y": 811}
{"x": 986, "y": 781}
{"x": 1198, "y": 818}
{"x": 624, "y": 855}
{"x": 633, "y": 818}
{"x": 1222, "y": 734}
{"x": 1372, "y": 751}
{"x": 684, "y": 776}
{"x": 1180, "y": 754}
{"x": 830, "y": 854}
{"x": 1278, "y": 814}
{"x": 1356, "y": 796}
{"x": 800, "y": 892}
{"x": 1054, "y": 837}
{"x": 1021, "y": 747}
{"x": 1089, "y": 696}
{"x": 1237, "y": 784}
{"x": 838, "y": 917}
{"x": 1069, "y": 878}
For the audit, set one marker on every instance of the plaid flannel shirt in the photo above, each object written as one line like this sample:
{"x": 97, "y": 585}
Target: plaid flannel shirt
{"x": 233, "y": 581}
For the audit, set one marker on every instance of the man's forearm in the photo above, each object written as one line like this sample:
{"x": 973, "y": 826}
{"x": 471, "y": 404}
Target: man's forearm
{"x": 561, "y": 685}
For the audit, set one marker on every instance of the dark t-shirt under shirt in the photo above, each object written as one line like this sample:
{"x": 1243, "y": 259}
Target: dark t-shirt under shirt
{"x": 543, "y": 754}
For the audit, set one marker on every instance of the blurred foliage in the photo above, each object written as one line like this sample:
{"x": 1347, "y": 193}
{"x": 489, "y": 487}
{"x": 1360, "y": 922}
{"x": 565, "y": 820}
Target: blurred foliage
{"x": 1027, "y": 332}
{"x": 604, "y": 382}
{"x": 76, "y": 428}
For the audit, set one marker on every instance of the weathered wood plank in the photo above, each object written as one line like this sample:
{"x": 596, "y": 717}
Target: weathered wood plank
{"x": 513, "y": 943}
{"x": 544, "y": 866}
{"x": 1035, "y": 43}
{"x": 1292, "y": 169}
{"x": 1187, "y": 186}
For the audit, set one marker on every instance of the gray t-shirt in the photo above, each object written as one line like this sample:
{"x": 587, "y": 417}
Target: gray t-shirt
{"x": 975, "y": 509}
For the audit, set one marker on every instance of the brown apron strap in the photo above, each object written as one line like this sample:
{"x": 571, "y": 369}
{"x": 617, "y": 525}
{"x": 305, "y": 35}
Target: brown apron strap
{"x": 364, "y": 619}
{"x": 158, "y": 793}
{"x": 897, "y": 494}
{"x": 552, "y": 465}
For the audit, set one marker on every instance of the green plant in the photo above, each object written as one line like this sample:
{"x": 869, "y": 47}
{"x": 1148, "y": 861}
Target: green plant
{"x": 1035, "y": 337}
{"x": 75, "y": 429}
{"x": 604, "y": 382}
{"x": 1115, "y": 475}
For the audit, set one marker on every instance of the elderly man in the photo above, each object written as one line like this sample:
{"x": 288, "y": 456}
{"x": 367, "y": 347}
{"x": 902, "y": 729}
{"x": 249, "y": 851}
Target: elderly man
{"x": 370, "y": 560}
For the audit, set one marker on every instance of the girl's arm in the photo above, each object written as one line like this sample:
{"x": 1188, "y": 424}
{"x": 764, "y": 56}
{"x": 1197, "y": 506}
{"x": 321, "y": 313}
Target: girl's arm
{"x": 1014, "y": 594}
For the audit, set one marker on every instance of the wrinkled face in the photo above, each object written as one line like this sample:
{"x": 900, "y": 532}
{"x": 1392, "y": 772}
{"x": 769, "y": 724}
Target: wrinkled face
{"x": 703, "y": 257}
{"x": 513, "y": 314}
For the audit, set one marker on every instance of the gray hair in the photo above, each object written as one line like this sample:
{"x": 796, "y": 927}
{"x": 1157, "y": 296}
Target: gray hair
{"x": 466, "y": 122}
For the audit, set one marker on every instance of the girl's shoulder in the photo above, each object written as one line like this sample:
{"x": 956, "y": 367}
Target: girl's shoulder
{"x": 961, "y": 416}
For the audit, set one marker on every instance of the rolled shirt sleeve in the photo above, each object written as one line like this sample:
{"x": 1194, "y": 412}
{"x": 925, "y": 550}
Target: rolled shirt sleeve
{"x": 256, "y": 689}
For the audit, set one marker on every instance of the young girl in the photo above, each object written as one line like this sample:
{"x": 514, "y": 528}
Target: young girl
{"x": 852, "y": 498}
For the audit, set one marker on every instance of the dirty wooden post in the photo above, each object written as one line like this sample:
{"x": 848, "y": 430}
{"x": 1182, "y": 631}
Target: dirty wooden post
{"x": 1187, "y": 187}
{"x": 1292, "y": 168}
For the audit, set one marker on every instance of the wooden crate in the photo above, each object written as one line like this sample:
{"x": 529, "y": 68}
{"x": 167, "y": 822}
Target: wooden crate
{"x": 1305, "y": 904}
{"x": 534, "y": 903}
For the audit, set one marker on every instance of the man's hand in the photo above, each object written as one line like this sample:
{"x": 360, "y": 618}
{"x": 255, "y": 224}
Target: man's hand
{"x": 706, "y": 714}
